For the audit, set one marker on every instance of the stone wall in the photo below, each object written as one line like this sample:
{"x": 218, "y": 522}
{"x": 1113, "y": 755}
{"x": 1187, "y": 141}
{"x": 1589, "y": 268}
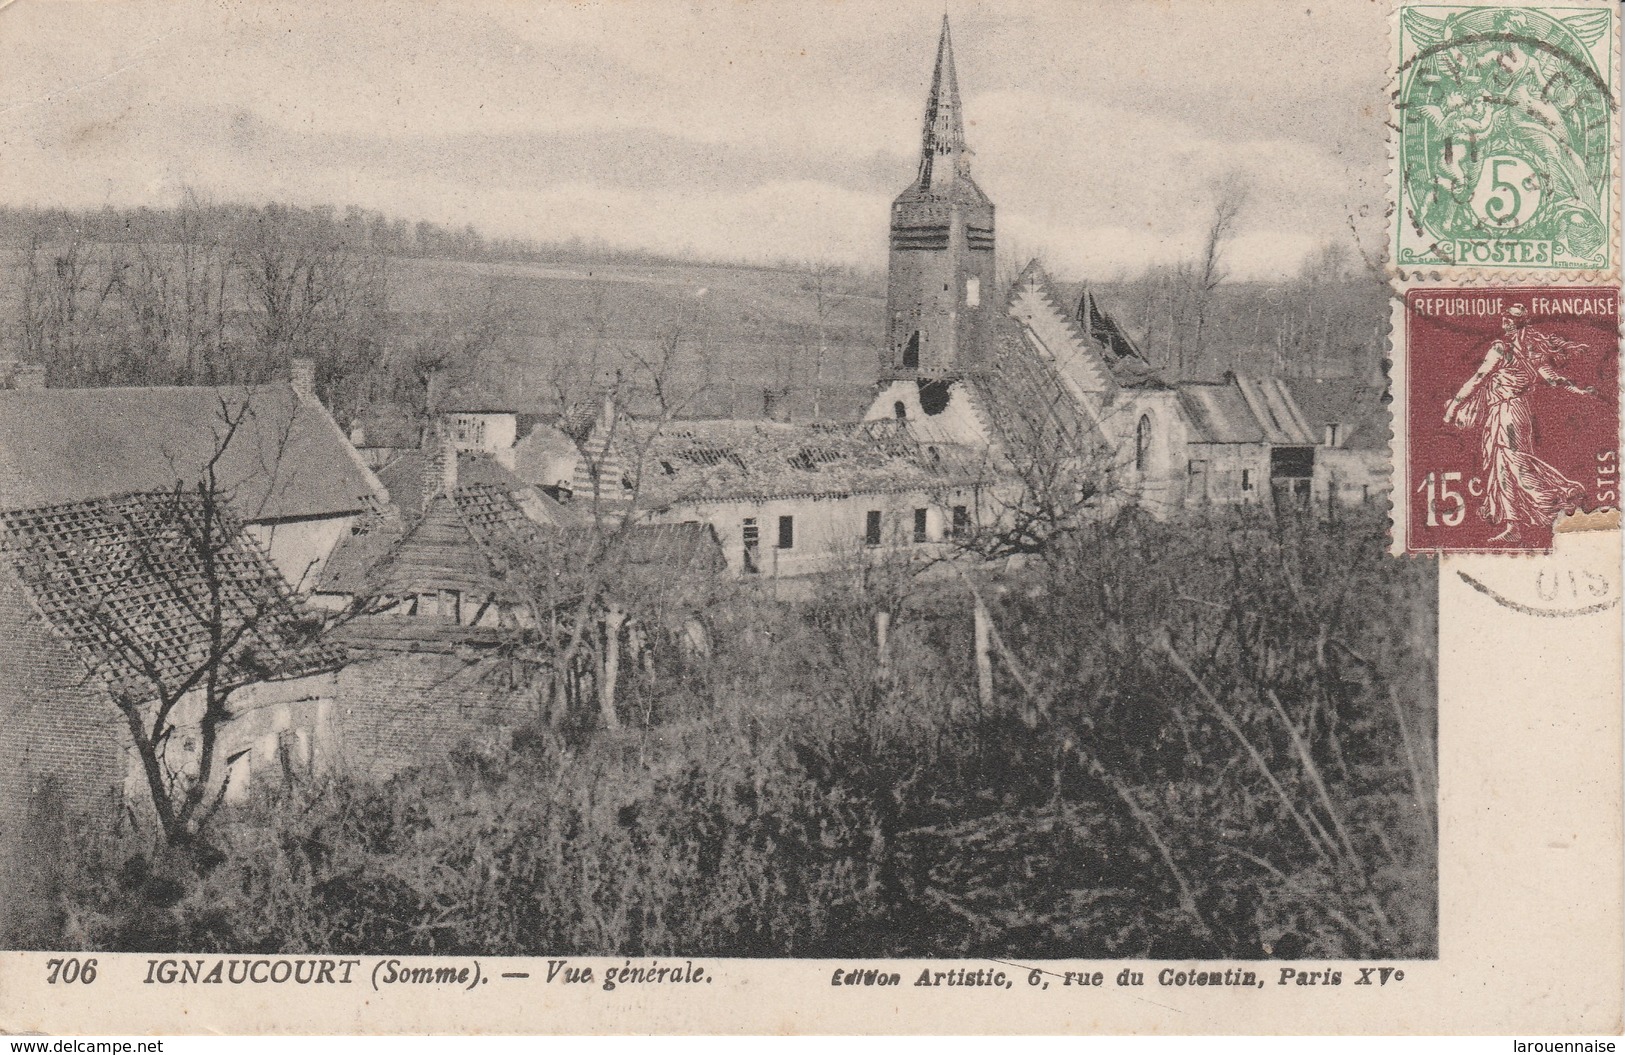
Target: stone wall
{"x": 400, "y": 709}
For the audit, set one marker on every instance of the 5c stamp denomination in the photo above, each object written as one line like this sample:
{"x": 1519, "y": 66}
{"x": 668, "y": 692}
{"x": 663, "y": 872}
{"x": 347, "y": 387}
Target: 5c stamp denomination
{"x": 1505, "y": 139}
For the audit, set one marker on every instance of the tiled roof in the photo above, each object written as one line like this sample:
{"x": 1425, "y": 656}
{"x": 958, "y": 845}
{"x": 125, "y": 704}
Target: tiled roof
{"x": 722, "y": 459}
{"x": 579, "y": 417}
{"x": 349, "y": 569}
{"x": 1027, "y": 404}
{"x": 1245, "y": 410}
{"x": 285, "y": 459}
{"x": 662, "y": 549}
{"x": 1277, "y": 412}
{"x": 467, "y": 543}
{"x": 125, "y": 579}
{"x": 403, "y": 477}
{"x": 443, "y": 547}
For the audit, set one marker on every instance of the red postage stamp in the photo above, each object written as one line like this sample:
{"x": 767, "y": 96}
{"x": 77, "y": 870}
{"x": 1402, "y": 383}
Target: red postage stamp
{"x": 1512, "y": 414}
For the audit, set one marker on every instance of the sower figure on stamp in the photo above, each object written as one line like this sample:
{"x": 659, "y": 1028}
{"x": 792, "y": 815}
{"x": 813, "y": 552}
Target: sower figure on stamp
{"x": 1519, "y": 488}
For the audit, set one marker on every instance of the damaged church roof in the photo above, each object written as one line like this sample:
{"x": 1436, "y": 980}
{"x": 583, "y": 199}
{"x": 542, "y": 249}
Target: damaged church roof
{"x": 127, "y": 581}
{"x": 285, "y": 458}
{"x": 1027, "y": 403}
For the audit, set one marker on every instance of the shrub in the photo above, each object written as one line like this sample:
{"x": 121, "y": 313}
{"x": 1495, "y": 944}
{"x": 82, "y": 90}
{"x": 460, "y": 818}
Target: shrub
{"x": 1235, "y": 757}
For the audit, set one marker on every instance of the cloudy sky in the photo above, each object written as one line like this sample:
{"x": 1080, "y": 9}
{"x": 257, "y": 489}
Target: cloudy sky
{"x": 744, "y": 129}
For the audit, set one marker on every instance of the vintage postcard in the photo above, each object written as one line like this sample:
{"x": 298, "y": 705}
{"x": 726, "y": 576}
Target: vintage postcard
{"x": 810, "y": 518}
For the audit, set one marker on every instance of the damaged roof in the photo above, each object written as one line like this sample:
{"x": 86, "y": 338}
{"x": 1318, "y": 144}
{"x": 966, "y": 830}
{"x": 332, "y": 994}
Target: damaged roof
{"x": 441, "y": 547}
{"x": 283, "y": 457}
{"x": 403, "y": 476}
{"x": 722, "y": 459}
{"x": 1026, "y": 401}
{"x": 127, "y": 581}
{"x": 661, "y": 549}
{"x": 579, "y": 417}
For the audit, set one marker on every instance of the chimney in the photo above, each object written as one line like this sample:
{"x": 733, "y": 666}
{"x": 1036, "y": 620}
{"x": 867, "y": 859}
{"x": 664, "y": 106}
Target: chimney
{"x": 302, "y": 376}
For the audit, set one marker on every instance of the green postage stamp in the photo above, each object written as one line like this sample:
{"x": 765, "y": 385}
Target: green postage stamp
{"x": 1505, "y": 119}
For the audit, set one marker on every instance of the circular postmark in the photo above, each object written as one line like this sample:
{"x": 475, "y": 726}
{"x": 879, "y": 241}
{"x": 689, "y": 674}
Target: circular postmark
{"x": 1506, "y": 137}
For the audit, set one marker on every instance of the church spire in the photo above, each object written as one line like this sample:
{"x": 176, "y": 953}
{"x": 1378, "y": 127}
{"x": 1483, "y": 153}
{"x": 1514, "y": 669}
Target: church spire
{"x": 943, "y": 152}
{"x": 940, "y": 282}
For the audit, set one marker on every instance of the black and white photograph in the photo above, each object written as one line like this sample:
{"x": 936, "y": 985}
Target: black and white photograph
{"x": 834, "y": 481}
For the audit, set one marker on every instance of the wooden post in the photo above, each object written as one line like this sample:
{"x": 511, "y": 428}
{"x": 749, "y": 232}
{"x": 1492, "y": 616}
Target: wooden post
{"x": 613, "y": 620}
{"x": 984, "y": 659}
{"x": 883, "y": 644}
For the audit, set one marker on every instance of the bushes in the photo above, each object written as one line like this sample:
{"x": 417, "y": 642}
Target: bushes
{"x": 1236, "y": 760}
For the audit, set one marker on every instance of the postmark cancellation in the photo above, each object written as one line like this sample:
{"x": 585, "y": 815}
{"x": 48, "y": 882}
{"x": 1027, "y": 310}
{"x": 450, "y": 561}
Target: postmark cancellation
{"x": 1506, "y": 415}
{"x": 1504, "y": 133}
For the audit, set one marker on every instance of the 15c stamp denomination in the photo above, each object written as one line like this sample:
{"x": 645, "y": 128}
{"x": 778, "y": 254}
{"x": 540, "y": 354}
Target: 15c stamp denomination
{"x": 1504, "y": 118}
{"x": 1511, "y": 413}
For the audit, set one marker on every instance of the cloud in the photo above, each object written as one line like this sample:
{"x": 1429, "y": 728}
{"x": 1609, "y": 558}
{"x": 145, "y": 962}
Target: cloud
{"x": 1097, "y": 129}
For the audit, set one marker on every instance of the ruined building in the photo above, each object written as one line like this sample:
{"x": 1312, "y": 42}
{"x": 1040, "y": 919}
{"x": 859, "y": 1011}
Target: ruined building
{"x": 1034, "y": 375}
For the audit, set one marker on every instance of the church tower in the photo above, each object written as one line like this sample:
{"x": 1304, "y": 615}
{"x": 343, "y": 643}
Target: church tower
{"x": 940, "y": 293}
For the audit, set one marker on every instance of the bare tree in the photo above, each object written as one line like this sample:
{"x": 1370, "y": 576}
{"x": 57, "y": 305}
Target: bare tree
{"x": 310, "y": 291}
{"x": 1230, "y": 194}
{"x": 64, "y": 289}
{"x": 827, "y": 288}
{"x": 444, "y": 348}
{"x": 187, "y": 612}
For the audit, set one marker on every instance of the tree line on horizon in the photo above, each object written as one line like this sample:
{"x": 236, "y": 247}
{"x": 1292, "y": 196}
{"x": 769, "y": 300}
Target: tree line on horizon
{"x": 211, "y": 293}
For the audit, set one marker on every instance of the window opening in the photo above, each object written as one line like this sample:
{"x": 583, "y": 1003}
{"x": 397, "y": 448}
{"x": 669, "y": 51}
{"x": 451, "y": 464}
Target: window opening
{"x": 961, "y": 521}
{"x": 871, "y": 528}
{"x": 753, "y": 544}
{"x": 920, "y": 525}
{"x": 787, "y": 532}
{"x": 1142, "y": 444}
{"x": 911, "y": 351}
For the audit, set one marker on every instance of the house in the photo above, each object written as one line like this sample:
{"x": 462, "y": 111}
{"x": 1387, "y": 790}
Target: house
{"x": 430, "y": 554}
{"x": 782, "y": 499}
{"x": 288, "y": 473}
{"x": 1246, "y": 441}
{"x": 1349, "y": 416}
{"x": 113, "y": 599}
